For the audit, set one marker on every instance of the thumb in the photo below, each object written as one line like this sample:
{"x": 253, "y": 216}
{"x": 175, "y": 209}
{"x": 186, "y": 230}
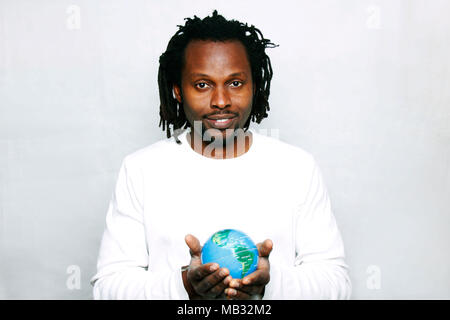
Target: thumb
{"x": 194, "y": 245}
{"x": 265, "y": 248}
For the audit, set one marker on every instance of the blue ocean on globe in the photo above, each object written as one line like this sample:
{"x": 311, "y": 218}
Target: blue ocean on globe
{"x": 231, "y": 249}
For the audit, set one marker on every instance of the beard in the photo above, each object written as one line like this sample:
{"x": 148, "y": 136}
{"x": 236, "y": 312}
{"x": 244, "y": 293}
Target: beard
{"x": 223, "y": 141}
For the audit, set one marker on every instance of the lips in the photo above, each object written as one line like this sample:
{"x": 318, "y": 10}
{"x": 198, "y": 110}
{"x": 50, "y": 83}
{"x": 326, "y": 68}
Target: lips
{"x": 221, "y": 116}
{"x": 221, "y": 121}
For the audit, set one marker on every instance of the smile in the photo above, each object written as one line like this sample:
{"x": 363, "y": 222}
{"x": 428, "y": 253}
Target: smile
{"x": 221, "y": 123}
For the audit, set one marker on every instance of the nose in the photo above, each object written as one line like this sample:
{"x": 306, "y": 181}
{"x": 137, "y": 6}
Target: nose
{"x": 220, "y": 98}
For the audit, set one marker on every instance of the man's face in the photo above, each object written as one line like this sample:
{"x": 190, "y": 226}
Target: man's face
{"x": 216, "y": 82}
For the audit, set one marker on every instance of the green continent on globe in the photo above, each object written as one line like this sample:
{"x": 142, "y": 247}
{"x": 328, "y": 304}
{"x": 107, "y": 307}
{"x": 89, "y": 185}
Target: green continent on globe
{"x": 245, "y": 257}
{"x": 221, "y": 238}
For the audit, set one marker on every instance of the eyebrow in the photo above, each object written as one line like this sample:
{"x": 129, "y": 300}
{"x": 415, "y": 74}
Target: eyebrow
{"x": 236, "y": 74}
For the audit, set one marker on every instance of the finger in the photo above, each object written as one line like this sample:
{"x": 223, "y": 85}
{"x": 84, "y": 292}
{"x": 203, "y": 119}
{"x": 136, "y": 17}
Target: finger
{"x": 194, "y": 245}
{"x": 223, "y": 295}
{"x": 238, "y": 284}
{"x": 219, "y": 288}
{"x": 265, "y": 248}
{"x": 235, "y": 283}
{"x": 227, "y": 280}
{"x": 259, "y": 277}
{"x": 213, "y": 284}
{"x": 250, "y": 292}
{"x": 235, "y": 294}
{"x": 251, "y": 289}
{"x": 200, "y": 272}
{"x": 263, "y": 263}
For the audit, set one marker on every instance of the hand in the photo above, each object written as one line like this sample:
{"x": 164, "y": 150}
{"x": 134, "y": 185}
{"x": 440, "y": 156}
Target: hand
{"x": 253, "y": 285}
{"x": 203, "y": 281}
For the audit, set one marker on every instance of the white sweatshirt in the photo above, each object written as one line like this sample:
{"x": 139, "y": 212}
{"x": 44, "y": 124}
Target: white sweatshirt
{"x": 167, "y": 190}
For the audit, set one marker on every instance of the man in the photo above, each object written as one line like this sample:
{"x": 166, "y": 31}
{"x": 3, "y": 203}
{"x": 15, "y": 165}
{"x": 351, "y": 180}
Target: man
{"x": 214, "y": 78}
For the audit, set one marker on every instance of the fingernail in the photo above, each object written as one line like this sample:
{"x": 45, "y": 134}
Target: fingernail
{"x": 223, "y": 272}
{"x": 232, "y": 292}
{"x": 246, "y": 281}
{"x": 234, "y": 284}
{"x": 214, "y": 267}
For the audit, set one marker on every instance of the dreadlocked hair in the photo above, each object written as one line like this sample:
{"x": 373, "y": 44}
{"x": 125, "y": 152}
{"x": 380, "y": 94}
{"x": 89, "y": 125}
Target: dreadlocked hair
{"x": 215, "y": 28}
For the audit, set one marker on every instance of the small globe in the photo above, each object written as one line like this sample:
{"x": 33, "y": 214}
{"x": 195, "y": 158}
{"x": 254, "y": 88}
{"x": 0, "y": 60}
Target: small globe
{"x": 231, "y": 249}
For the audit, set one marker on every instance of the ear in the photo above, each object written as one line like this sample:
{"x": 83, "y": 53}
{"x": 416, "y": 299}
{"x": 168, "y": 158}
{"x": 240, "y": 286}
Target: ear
{"x": 177, "y": 93}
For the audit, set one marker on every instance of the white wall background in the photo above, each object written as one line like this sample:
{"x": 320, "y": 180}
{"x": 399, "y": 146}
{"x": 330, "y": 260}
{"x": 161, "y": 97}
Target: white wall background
{"x": 363, "y": 85}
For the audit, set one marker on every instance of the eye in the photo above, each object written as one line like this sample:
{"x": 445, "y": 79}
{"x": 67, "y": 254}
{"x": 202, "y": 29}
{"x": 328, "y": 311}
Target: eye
{"x": 201, "y": 85}
{"x": 236, "y": 83}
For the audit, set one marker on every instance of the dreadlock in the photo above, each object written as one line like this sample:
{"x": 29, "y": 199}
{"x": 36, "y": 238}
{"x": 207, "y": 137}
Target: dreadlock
{"x": 215, "y": 28}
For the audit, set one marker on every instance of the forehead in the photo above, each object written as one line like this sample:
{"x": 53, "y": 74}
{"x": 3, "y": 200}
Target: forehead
{"x": 215, "y": 57}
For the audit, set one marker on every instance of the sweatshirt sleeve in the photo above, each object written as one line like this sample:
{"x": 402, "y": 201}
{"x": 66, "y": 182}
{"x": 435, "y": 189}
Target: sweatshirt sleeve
{"x": 319, "y": 270}
{"x": 122, "y": 266}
